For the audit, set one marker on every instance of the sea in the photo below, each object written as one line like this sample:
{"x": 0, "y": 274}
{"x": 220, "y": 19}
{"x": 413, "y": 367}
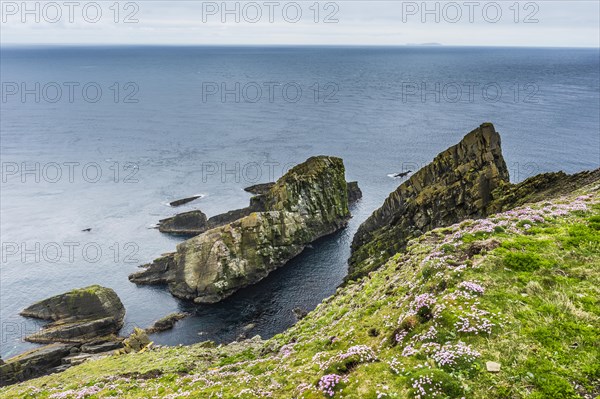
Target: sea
{"x": 103, "y": 138}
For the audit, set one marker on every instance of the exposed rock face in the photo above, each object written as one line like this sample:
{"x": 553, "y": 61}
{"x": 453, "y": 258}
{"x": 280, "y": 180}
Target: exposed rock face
{"x": 34, "y": 363}
{"x": 310, "y": 201}
{"x": 78, "y": 315}
{"x": 261, "y": 188}
{"x": 354, "y": 192}
{"x": 458, "y": 184}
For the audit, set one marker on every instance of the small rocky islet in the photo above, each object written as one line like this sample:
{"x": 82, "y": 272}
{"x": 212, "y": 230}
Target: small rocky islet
{"x": 447, "y": 289}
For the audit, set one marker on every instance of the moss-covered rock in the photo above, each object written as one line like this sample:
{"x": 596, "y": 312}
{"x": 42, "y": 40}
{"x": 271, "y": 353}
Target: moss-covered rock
{"x": 78, "y": 315}
{"x": 308, "y": 202}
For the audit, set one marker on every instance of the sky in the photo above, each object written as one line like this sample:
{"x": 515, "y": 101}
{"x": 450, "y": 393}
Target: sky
{"x": 550, "y": 23}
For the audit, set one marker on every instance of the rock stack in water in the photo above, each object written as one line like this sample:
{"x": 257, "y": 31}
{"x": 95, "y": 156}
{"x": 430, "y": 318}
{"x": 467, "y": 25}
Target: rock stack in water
{"x": 308, "y": 202}
{"x": 78, "y": 315}
{"x": 458, "y": 184}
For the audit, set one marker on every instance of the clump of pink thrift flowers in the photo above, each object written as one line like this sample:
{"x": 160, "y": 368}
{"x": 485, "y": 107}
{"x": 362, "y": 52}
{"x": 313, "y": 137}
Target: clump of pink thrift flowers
{"x": 328, "y": 382}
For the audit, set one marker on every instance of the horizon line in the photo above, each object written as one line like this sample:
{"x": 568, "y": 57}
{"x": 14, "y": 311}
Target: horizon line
{"x": 433, "y": 45}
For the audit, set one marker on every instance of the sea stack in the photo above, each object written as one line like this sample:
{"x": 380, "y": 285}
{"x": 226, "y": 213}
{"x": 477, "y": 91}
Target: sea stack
{"x": 308, "y": 202}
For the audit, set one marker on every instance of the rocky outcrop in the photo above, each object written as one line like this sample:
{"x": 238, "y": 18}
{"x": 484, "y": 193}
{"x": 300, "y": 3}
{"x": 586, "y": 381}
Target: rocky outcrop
{"x": 186, "y": 223}
{"x": 261, "y": 188}
{"x": 34, "y": 363}
{"x": 78, "y": 315}
{"x": 539, "y": 188}
{"x": 354, "y": 192}
{"x": 195, "y": 222}
{"x": 166, "y": 323}
{"x": 308, "y": 202}
{"x": 458, "y": 184}
{"x": 137, "y": 341}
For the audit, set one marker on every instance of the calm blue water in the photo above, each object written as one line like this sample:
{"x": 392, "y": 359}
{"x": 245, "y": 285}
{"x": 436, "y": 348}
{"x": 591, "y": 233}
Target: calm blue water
{"x": 177, "y": 141}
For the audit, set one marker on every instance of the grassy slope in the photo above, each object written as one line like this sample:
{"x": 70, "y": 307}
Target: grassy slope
{"x": 521, "y": 288}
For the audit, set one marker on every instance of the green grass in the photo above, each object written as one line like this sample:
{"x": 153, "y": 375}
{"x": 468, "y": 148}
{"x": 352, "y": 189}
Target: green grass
{"x": 527, "y": 298}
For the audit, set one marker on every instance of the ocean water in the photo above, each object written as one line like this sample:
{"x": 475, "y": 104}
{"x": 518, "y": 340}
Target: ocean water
{"x": 105, "y": 137}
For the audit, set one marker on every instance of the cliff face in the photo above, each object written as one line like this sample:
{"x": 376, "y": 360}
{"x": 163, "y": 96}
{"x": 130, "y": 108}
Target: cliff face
{"x": 310, "y": 201}
{"x": 458, "y": 184}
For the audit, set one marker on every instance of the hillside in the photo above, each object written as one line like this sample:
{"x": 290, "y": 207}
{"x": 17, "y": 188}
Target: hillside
{"x": 501, "y": 307}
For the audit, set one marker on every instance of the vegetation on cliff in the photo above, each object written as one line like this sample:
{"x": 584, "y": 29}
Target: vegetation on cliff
{"x": 500, "y": 307}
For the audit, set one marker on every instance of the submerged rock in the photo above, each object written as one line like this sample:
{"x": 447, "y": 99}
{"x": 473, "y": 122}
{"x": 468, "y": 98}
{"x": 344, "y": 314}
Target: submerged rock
{"x": 458, "y": 184}
{"x": 308, "y": 202}
{"x": 78, "y": 315}
{"x": 184, "y": 201}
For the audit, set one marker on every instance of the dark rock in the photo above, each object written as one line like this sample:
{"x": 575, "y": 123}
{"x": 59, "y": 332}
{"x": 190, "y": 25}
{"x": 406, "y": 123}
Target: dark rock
{"x": 299, "y": 313}
{"x": 310, "y": 201}
{"x": 231, "y": 216}
{"x": 458, "y": 184}
{"x": 166, "y": 323}
{"x": 539, "y": 188}
{"x": 261, "y": 188}
{"x": 195, "y": 222}
{"x": 183, "y": 201}
{"x": 87, "y": 230}
{"x": 186, "y": 223}
{"x": 354, "y": 192}
{"x": 102, "y": 346}
{"x": 78, "y": 315}
{"x": 32, "y": 364}
{"x": 478, "y": 247}
{"x": 403, "y": 174}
